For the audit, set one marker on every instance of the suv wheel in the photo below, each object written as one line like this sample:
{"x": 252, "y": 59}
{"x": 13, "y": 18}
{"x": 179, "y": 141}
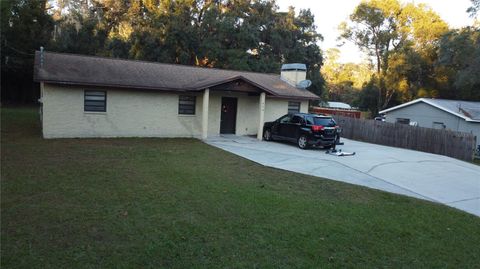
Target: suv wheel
{"x": 267, "y": 135}
{"x": 302, "y": 142}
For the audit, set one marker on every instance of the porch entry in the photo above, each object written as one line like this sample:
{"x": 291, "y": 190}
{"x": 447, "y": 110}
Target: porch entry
{"x": 228, "y": 118}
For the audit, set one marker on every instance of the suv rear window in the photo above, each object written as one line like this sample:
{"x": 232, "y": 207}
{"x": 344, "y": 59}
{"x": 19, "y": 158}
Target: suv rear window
{"x": 328, "y": 122}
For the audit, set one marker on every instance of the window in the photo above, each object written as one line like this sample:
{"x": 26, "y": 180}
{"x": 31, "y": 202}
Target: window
{"x": 324, "y": 121}
{"x": 285, "y": 119}
{"x": 293, "y": 107}
{"x": 438, "y": 125}
{"x": 309, "y": 120}
{"x": 95, "y": 101}
{"x": 296, "y": 119}
{"x": 328, "y": 122}
{"x": 186, "y": 105}
{"x": 403, "y": 121}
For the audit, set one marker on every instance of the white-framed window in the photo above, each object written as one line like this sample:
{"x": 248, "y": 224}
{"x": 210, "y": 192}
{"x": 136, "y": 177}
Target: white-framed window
{"x": 438, "y": 125}
{"x": 186, "y": 104}
{"x": 293, "y": 107}
{"x": 95, "y": 101}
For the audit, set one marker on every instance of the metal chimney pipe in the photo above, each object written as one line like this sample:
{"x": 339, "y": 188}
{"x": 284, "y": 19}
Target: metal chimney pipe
{"x": 41, "y": 56}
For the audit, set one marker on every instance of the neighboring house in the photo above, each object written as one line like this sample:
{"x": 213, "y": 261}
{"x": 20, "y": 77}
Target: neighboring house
{"x": 87, "y": 96}
{"x": 461, "y": 116}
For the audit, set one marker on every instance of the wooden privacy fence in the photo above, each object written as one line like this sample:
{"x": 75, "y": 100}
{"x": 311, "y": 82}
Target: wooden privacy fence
{"x": 445, "y": 142}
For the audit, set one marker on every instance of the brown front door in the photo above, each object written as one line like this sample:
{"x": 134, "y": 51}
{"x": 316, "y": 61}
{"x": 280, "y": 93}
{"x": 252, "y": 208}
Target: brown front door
{"x": 228, "y": 118}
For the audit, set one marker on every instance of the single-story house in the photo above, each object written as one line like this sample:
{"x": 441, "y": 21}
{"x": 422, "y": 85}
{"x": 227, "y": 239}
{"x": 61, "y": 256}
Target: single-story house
{"x": 460, "y": 116}
{"x": 89, "y": 96}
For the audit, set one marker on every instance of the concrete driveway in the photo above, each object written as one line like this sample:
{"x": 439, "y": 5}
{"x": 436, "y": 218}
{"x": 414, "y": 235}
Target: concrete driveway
{"x": 417, "y": 174}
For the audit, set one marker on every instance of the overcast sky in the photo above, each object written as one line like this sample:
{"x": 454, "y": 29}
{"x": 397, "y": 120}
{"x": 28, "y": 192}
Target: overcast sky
{"x": 329, "y": 14}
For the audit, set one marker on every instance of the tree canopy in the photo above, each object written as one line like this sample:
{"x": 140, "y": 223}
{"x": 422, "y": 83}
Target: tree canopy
{"x": 247, "y": 35}
{"x": 414, "y": 54}
{"x": 458, "y": 64}
{"x": 412, "y": 51}
{"x": 400, "y": 38}
{"x": 475, "y": 8}
{"x": 343, "y": 80}
{"x": 24, "y": 26}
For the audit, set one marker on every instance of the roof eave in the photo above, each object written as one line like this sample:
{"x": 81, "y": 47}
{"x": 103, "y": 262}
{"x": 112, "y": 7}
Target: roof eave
{"x": 122, "y": 86}
{"x": 305, "y": 98}
{"x": 400, "y": 106}
{"x": 448, "y": 111}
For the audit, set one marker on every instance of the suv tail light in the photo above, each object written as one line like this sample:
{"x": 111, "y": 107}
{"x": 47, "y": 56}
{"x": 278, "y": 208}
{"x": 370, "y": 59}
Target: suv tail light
{"x": 317, "y": 128}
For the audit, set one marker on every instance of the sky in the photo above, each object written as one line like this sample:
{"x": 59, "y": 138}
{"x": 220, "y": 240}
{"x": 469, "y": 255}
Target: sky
{"x": 329, "y": 14}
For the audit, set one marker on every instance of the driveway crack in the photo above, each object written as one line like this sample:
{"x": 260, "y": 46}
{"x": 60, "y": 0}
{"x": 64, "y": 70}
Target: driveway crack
{"x": 463, "y": 200}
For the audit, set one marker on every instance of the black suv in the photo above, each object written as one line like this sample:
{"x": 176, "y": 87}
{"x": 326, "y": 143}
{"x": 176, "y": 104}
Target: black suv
{"x": 304, "y": 129}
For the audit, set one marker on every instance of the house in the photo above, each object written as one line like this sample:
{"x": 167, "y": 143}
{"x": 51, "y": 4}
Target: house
{"x": 460, "y": 116}
{"x": 89, "y": 96}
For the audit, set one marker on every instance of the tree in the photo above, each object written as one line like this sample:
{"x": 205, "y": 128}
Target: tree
{"x": 373, "y": 30}
{"x": 367, "y": 99}
{"x": 459, "y": 64}
{"x": 344, "y": 81}
{"x": 473, "y": 10}
{"x": 387, "y": 29}
{"x": 25, "y": 26}
{"x": 233, "y": 34}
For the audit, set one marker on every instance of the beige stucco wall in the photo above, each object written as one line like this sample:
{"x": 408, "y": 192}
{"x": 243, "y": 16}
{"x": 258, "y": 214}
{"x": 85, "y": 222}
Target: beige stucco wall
{"x": 247, "y": 113}
{"x": 136, "y": 113}
{"x": 129, "y": 114}
{"x": 275, "y": 108}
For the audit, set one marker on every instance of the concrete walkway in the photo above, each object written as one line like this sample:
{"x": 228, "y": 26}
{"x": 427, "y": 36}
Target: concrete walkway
{"x": 417, "y": 174}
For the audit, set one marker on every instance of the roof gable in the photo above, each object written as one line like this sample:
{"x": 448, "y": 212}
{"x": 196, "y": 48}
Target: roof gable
{"x": 74, "y": 69}
{"x": 467, "y": 110}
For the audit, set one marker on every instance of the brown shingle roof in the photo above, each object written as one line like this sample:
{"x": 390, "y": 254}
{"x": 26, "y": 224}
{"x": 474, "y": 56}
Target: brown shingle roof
{"x": 100, "y": 71}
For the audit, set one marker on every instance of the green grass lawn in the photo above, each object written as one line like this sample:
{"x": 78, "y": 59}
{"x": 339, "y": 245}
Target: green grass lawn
{"x": 179, "y": 203}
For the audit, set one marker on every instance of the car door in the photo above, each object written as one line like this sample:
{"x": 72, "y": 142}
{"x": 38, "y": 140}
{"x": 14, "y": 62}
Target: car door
{"x": 292, "y": 128}
{"x": 280, "y": 126}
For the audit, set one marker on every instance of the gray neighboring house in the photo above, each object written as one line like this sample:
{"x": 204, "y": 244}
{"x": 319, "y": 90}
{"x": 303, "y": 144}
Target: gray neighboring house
{"x": 455, "y": 115}
{"x": 88, "y": 96}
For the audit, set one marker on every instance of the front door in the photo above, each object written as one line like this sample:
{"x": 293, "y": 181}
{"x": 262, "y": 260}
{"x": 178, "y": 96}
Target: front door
{"x": 228, "y": 118}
